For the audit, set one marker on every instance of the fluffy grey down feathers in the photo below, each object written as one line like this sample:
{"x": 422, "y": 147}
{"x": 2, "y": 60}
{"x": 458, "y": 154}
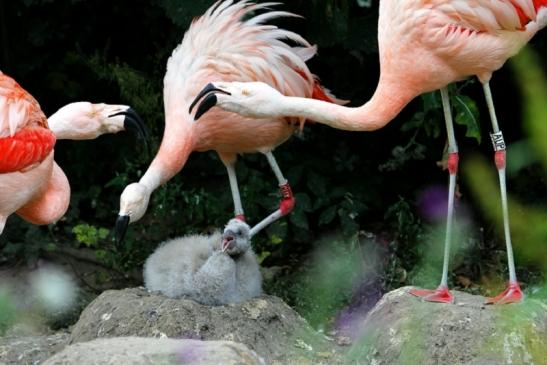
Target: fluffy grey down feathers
{"x": 195, "y": 267}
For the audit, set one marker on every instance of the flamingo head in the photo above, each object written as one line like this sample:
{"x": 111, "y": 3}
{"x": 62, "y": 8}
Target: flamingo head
{"x": 248, "y": 99}
{"x": 84, "y": 120}
{"x": 133, "y": 204}
{"x": 235, "y": 238}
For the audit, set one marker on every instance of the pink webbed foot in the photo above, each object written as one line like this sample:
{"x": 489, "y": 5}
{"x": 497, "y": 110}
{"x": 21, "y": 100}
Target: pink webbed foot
{"x": 512, "y": 294}
{"x": 439, "y": 295}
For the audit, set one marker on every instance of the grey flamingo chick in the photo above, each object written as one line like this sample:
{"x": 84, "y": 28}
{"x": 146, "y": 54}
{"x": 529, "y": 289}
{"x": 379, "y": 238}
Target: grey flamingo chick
{"x": 213, "y": 270}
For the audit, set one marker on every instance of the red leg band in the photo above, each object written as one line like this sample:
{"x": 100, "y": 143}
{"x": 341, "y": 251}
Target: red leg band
{"x": 453, "y": 160}
{"x": 287, "y": 204}
{"x": 241, "y": 217}
{"x": 500, "y": 159}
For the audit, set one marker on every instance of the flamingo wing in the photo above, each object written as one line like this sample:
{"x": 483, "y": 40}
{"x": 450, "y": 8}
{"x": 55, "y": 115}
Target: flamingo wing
{"x": 25, "y": 138}
{"x": 231, "y": 43}
{"x": 469, "y": 37}
{"x": 486, "y": 15}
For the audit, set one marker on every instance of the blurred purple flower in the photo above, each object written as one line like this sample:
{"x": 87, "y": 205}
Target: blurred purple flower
{"x": 348, "y": 321}
{"x": 433, "y": 203}
{"x": 433, "y": 206}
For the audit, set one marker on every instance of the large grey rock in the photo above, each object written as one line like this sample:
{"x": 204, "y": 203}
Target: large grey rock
{"x": 401, "y": 329}
{"x": 153, "y": 351}
{"x": 30, "y": 350}
{"x": 265, "y": 324}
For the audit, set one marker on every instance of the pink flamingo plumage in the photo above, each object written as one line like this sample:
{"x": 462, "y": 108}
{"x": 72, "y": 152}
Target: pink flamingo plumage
{"x": 32, "y": 185}
{"x": 424, "y": 45}
{"x": 220, "y": 45}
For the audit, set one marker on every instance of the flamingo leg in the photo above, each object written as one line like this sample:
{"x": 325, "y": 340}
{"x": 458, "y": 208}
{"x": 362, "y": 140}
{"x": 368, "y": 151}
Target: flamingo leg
{"x": 512, "y": 293}
{"x": 238, "y": 206}
{"x": 287, "y": 202}
{"x": 442, "y": 294}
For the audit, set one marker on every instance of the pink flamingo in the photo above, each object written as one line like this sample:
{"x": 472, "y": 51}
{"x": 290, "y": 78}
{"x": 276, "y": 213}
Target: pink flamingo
{"x": 32, "y": 185}
{"x": 221, "y": 46}
{"x": 424, "y": 45}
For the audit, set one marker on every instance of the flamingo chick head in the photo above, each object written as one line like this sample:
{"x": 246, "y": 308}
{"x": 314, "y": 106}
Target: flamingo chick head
{"x": 84, "y": 120}
{"x": 133, "y": 204}
{"x": 235, "y": 238}
{"x": 248, "y": 99}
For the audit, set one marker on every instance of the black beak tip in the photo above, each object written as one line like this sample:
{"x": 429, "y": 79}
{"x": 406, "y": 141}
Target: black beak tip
{"x": 209, "y": 102}
{"x": 206, "y": 90}
{"x": 133, "y": 122}
{"x": 121, "y": 228}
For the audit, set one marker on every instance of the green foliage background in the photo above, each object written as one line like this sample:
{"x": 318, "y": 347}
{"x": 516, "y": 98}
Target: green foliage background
{"x": 115, "y": 51}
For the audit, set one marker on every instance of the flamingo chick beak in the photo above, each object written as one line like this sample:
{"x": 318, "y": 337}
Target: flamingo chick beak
{"x": 121, "y": 228}
{"x": 135, "y": 124}
{"x": 228, "y": 242}
{"x": 209, "y": 100}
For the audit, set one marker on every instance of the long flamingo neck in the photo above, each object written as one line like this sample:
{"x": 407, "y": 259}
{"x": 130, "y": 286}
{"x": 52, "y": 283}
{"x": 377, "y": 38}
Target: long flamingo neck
{"x": 175, "y": 148}
{"x": 388, "y": 100}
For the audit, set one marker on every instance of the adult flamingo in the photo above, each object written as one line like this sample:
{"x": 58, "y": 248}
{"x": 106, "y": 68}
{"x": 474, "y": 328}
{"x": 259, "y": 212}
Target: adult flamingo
{"x": 424, "y": 46}
{"x": 32, "y": 185}
{"x": 220, "y": 45}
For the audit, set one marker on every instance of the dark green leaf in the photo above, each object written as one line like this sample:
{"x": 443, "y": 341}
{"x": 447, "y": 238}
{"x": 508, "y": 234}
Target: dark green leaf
{"x": 467, "y": 114}
{"x": 328, "y": 215}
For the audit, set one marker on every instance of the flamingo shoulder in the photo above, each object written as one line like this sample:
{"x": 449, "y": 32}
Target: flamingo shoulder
{"x": 17, "y": 108}
{"x": 25, "y": 138}
{"x": 482, "y": 15}
{"x": 472, "y": 37}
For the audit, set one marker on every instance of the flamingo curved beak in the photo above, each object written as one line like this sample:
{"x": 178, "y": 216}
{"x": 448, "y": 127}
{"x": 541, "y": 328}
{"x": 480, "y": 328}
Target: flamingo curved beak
{"x": 209, "y": 100}
{"x": 121, "y": 228}
{"x": 134, "y": 123}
